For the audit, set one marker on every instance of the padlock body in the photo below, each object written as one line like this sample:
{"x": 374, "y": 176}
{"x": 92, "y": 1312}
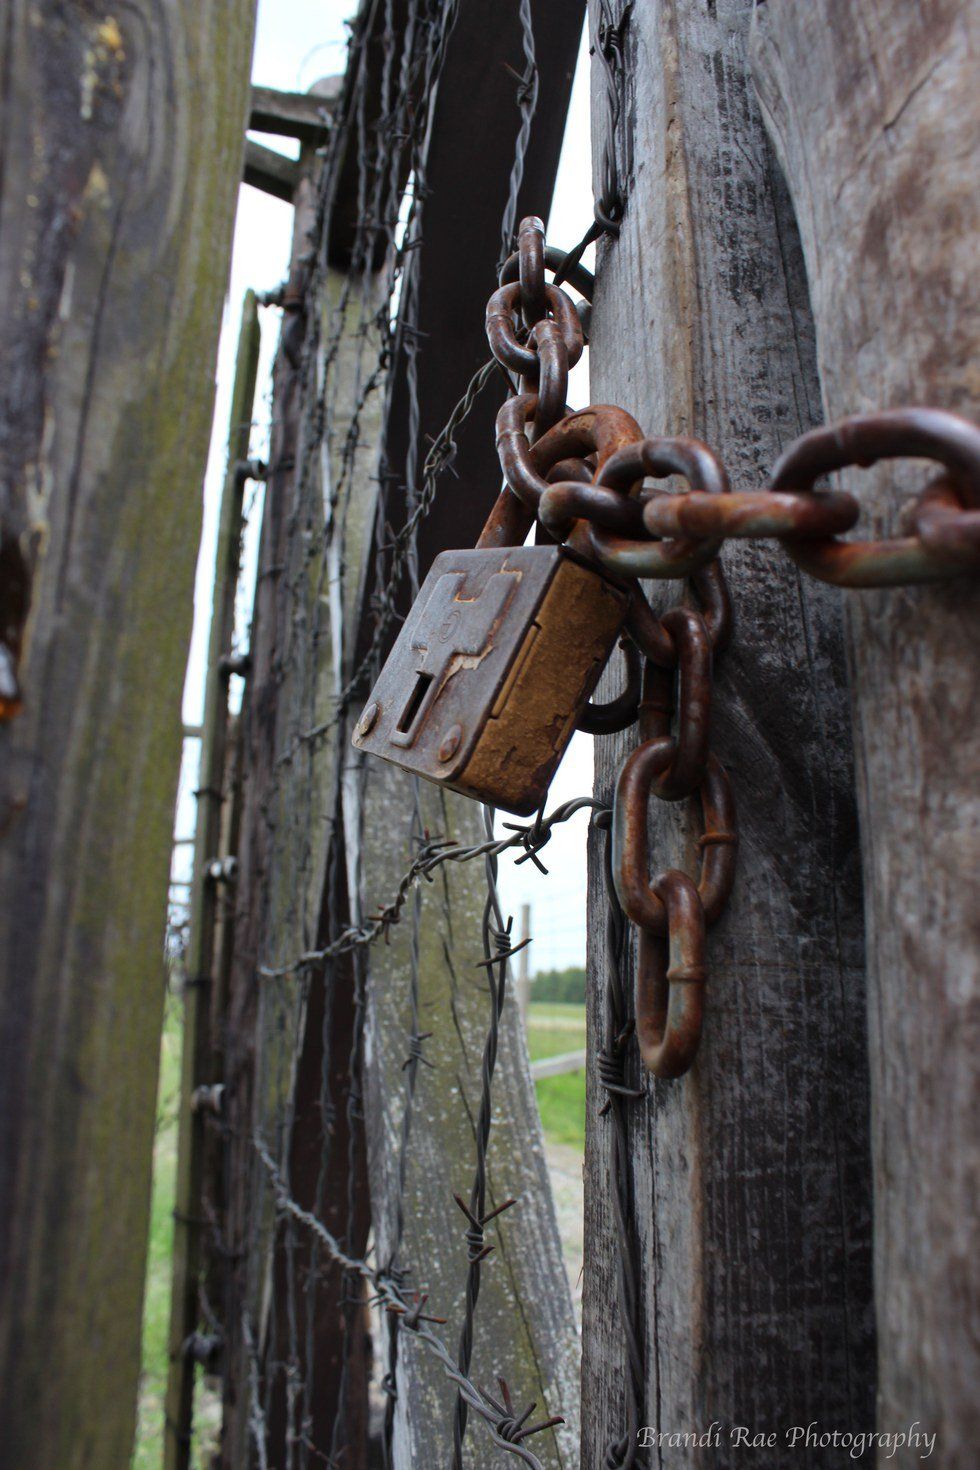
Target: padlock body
{"x": 497, "y": 658}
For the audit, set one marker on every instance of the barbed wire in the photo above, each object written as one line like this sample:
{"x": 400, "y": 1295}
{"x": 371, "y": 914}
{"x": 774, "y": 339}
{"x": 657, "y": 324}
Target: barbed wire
{"x": 411, "y": 1318}
{"x": 527, "y": 101}
{"x": 343, "y": 341}
{"x": 433, "y": 852}
{"x": 497, "y": 950}
{"x": 349, "y": 335}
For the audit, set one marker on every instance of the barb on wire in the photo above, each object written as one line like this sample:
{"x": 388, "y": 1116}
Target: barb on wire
{"x": 497, "y": 948}
{"x": 433, "y": 852}
{"x": 416, "y": 1323}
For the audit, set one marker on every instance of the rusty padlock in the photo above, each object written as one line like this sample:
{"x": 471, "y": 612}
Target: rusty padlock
{"x": 493, "y": 666}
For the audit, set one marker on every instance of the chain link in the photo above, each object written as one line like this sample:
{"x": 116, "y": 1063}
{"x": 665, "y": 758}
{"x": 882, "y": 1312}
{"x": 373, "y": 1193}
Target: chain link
{"x": 596, "y": 508}
{"x": 585, "y": 478}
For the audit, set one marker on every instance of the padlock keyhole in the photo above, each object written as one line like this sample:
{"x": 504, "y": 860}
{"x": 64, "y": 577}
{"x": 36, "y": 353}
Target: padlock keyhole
{"x": 415, "y": 701}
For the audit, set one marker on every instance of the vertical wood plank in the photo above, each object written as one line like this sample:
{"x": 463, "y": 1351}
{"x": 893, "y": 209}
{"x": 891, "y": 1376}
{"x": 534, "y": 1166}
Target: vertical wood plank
{"x": 876, "y": 116}
{"x": 196, "y": 1054}
{"x": 119, "y": 164}
{"x": 290, "y": 1034}
{"x": 269, "y": 912}
{"x": 525, "y": 1329}
{"x": 749, "y": 1176}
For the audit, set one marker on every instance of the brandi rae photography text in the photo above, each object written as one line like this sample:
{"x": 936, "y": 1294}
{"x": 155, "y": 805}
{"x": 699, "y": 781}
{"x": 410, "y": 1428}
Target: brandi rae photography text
{"x": 884, "y": 1444}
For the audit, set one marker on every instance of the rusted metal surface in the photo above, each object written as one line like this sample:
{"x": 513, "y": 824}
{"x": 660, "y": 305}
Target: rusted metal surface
{"x": 942, "y": 544}
{"x": 657, "y": 458}
{"x": 502, "y": 324}
{"x": 750, "y": 513}
{"x": 621, "y": 712}
{"x": 670, "y": 980}
{"x": 631, "y": 850}
{"x": 530, "y": 269}
{"x": 583, "y": 480}
{"x": 491, "y": 670}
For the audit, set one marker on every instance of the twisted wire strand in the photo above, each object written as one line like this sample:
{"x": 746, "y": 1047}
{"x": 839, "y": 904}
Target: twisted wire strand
{"x": 434, "y": 852}
{"x": 256, "y": 1417}
{"x": 325, "y": 326}
{"x": 496, "y": 951}
{"x": 410, "y": 1068}
{"x": 527, "y": 101}
{"x": 391, "y": 1295}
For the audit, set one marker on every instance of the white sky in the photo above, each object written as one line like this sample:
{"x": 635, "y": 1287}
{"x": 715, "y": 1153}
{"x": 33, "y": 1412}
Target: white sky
{"x": 297, "y": 42}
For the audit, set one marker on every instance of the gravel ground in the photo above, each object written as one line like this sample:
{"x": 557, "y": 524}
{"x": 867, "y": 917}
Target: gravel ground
{"x": 565, "y": 1167}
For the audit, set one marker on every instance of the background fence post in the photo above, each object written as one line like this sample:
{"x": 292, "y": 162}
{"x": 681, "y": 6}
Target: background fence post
{"x": 208, "y": 890}
{"x": 877, "y": 122}
{"x": 523, "y": 964}
{"x": 122, "y": 154}
{"x": 745, "y": 1185}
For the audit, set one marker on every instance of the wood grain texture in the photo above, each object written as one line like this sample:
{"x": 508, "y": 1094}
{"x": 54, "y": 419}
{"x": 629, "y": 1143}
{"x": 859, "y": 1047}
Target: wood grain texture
{"x": 270, "y": 917}
{"x": 876, "y": 117}
{"x": 525, "y": 1329}
{"x": 121, "y": 149}
{"x": 750, "y": 1175}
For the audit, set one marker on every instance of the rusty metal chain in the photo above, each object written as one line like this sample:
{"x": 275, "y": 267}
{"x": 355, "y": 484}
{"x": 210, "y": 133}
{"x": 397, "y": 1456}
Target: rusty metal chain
{"x": 581, "y": 478}
{"x": 585, "y": 479}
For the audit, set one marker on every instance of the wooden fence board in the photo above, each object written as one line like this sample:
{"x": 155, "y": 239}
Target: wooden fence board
{"x": 876, "y": 116}
{"x": 749, "y": 1176}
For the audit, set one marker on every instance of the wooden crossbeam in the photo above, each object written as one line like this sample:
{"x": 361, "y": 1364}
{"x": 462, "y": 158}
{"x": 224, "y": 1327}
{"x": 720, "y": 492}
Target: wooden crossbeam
{"x": 294, "y": 114}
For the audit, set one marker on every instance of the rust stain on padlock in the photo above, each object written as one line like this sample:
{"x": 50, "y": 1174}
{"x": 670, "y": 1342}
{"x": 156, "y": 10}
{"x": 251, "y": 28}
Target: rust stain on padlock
{"x": 495, "y": 662}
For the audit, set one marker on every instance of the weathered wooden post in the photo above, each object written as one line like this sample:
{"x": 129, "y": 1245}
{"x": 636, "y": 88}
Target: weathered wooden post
{"x": 122, "y": 141}
{"x": 273, "y": 891}
{"x": 876, "y": 117}
{"x": 746, "y": 1182}
{"x": 208, "y": 884}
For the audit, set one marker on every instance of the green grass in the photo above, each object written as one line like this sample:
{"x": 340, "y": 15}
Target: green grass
{"x": 553, "y": 1028}
{"x": 558, "y": 1013}
{"x": 148, "y": 1450}
{"x": 561, "y": 1103}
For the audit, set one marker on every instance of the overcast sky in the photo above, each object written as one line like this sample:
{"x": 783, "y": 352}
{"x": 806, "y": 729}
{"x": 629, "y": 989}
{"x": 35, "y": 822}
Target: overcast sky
{"x": 297, "y": 42}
